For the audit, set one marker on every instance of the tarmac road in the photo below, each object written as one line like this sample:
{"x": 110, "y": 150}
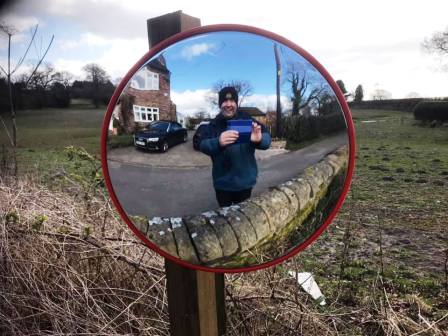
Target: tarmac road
{"x": 188, "y": 190}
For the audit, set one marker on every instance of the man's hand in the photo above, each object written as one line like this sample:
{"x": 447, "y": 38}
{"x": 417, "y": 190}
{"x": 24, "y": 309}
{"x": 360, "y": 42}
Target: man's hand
{"x": 255, "y": 136}
{"x": 227, "y": 138}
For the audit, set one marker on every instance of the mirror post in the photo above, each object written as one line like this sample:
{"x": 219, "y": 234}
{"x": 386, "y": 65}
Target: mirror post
{"x": 196, "y": 300}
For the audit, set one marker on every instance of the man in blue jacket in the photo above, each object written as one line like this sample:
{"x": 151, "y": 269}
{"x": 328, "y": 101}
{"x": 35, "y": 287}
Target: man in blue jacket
{"x": 234, "y": 165}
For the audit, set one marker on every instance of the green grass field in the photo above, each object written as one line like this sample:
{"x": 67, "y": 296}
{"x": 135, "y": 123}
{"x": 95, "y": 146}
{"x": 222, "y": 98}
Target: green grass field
{"x": 43, "y": 135}
{"x": 393, "y": 222}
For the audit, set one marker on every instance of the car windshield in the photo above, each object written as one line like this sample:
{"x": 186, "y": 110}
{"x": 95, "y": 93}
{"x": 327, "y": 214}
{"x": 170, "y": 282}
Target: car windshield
{"x": 158, "y": 126}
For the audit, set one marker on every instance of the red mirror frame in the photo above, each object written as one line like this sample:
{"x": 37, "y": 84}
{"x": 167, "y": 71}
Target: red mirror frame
{"x": 235, "y": 28}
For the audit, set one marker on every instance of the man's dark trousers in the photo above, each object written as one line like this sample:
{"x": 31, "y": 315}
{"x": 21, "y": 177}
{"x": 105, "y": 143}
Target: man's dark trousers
{"x": 227, "y": 198}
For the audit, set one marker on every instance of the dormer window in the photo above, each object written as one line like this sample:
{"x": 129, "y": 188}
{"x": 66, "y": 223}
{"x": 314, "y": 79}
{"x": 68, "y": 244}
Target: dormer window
{"x": 145, "y": 80}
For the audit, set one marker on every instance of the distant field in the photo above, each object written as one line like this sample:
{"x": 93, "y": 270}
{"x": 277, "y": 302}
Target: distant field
{"x": 57, "y": 128}
{"x": 43, "y": 134}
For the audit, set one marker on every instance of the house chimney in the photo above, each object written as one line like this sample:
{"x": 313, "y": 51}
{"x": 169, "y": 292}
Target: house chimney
{"x": 164, "y": 26}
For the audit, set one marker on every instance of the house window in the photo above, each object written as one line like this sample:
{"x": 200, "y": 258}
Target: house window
{"x": 145, "y": 114}
{"x": 145, "y": 80}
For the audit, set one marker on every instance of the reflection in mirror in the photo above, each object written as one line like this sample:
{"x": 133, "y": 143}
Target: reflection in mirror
{"x": 227, "y": 149}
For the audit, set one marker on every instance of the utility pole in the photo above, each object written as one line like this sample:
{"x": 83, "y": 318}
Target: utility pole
{"x": 278, "y": 122}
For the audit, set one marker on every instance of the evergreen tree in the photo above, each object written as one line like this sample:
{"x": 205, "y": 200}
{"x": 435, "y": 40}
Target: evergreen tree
{"x": 359, "y": 94}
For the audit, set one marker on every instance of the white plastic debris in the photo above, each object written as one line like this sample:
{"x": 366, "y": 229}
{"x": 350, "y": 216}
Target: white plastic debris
{"x": 223, "y": 211}
{"x": 309, "y": 285}
{"x": 194, "y": 235}
{"x": 161, "y": 233}
{"x": 209, "y": 214}
{"x": 155, "y": 221}
{"x": 176, "y": 222}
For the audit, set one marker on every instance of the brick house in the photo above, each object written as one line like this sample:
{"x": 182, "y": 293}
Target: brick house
{"x": 147, "y": 97}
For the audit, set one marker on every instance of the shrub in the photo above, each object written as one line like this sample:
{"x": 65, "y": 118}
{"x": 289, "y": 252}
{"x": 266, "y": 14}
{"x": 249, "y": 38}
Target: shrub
{"x": 303, "y": 128}
{"x": 431, "y": 110}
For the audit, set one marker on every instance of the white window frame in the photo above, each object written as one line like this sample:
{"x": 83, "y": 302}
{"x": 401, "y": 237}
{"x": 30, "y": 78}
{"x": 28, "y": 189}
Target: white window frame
{"x": 151, "y": 80}
{"x": 145, "y": 113}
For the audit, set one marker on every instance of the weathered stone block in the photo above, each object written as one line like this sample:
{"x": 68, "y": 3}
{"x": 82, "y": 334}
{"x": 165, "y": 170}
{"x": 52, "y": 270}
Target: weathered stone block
{"x": 302, "y": 189}
{"x": 160, "y": 233}
{"x": 244, "y": 232}
{"x": 185, "y": 247}
{"x": 293, "y": 201}
{"x": 275, "y": 204}
{"x": 333, "y": 162}
{"x": 224, "y": 232}
{"x": 257, "y": 218}
{"x": 315, "y": 181}
{"x": 326, "y": 170}
{"x": 338, "y": 159}
{"x": 204, "y": 238}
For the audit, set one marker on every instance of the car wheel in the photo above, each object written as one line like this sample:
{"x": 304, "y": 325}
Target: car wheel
{"x": 164, "y": 147}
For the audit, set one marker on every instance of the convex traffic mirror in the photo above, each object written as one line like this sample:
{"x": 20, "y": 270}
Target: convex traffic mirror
{"x": 227, "y": 148}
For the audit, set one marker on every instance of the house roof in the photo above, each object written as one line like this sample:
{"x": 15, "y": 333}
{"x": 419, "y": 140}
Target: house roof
{"x": 159, "y": 63}
{"x": 252, "y": 111}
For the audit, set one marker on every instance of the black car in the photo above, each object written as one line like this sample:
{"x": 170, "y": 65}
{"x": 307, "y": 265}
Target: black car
{"x": 160, "y": 135}
{"x": 197, "y": 137}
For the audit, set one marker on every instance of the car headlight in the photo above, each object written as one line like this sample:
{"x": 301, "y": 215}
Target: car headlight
{"x": 153, "y": 139}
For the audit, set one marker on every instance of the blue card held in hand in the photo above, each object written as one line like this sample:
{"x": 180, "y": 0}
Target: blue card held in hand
{"x": 243, "y": 127}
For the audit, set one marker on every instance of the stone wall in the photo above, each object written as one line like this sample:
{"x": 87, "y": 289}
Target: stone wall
{"x": 227, "y": 237}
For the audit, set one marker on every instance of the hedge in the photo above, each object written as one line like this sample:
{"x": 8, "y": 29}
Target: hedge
{"x": 431, "y": 110}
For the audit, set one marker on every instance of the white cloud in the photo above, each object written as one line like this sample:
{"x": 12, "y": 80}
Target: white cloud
{"x": 189, "y": 102}
{"x": 72, "y": 66}
{"x": 21, "y": 29}
{"x": 378, "y": 42}
{"x": 20, "y": 23}
{"x": 266, "y": 102}
{"x": 87, "y": 40}
{"x": 116, "y": 56}
{"x": 197, "y": 49}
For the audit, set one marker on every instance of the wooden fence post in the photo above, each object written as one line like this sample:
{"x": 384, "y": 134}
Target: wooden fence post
{"x": 196, "y": 301}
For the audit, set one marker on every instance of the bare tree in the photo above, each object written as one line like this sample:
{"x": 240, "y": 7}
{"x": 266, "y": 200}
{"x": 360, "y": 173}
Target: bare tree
{"x": 42, "y": 79}
{"x": 243, "y": 87}
{"x": 98, "y": 76}
{"x": 63, "y": 77}
{"x": 381, "y": 94}
{"x": 438, "y": 43}
{"x": 304, "y": 90}
{"x": 10, "y": 31}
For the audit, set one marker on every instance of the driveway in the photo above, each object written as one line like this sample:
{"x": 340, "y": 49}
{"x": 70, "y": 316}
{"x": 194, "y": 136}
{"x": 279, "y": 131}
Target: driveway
{"x": 186, "y": 188}
{"x": 179, "y": 156}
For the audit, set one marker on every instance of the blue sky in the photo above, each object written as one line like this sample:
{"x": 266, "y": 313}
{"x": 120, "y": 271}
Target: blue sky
{"x": 376, "y": 44}
{"x": 199, "y": 62}
{"x": 216, "y": 59}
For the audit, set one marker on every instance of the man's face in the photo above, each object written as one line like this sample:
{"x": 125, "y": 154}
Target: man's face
{"x": 228, "y": 108}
